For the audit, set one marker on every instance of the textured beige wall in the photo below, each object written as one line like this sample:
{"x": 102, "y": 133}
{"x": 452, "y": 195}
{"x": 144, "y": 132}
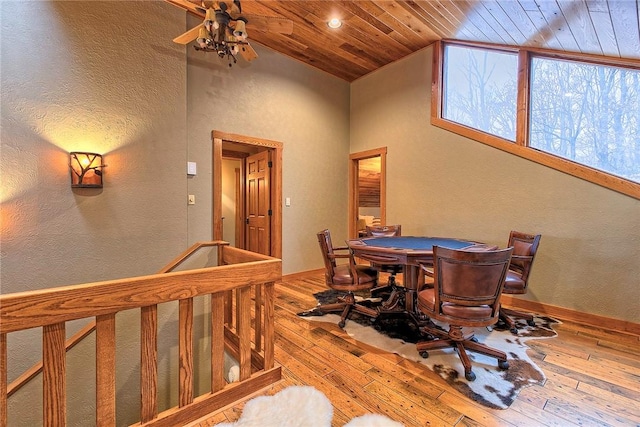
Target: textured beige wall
{"x": 90, "y": 76}
{"x": 280, "y": 99}
{"x": 105, "y": 77}
{"x": 441, "y": 184}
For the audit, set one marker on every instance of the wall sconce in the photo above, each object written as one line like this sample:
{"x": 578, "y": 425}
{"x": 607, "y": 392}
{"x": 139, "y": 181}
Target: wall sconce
{"x": 85, "y": 170}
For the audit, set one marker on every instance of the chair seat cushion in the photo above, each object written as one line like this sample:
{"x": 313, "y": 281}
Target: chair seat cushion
{"x": 427, "y": 300}
{"x": 513, "y": 284}
{"x": 366, "y": 275}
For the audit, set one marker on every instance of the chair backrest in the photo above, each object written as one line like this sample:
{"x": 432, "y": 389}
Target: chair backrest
{"x": 384, "y": 230}
{"x": 525, "y": 247}
{"x": 470, "y": 278}
{"x": 326, "y": 247}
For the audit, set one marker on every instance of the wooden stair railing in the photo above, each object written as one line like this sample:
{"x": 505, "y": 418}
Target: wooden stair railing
{"x": 239, "y": 277}
{"x": 86, "y": 330}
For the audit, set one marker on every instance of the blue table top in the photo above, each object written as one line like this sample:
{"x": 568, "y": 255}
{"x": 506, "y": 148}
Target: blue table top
{"x": 416, "y": 243}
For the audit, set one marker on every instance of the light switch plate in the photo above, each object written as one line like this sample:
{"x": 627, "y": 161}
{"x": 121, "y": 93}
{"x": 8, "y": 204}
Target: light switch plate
{"x": 191, "y": 168}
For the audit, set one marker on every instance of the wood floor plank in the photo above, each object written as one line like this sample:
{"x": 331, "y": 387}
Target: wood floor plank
{"x": 471, "y": 411}
{"x": 626, "y": 407}
{"x": 538, "y": 416}
{"x": 595, "y": 370}
{"x": 370, "y": 400}
{"x": 592, "y": 375}
{"x": 585, "y": 378}
{"x": 417, "y": 414}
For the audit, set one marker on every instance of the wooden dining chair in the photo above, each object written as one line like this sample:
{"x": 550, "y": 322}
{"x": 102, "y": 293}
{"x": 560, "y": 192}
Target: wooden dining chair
{"x": 345, "y": 277}
{"x": 466, "y": 293}
{"x": 525, "y": 247}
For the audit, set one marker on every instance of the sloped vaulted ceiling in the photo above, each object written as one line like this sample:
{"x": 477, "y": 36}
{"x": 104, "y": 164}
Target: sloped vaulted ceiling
{"x": 377, "y": 32}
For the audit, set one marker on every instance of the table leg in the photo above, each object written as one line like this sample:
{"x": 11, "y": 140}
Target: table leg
{"x": 411, "y": 286}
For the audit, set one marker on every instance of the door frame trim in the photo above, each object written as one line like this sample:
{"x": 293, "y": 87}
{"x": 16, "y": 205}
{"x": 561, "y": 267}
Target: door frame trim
{"x": 276, "y": 188}
{"x": 353, "y": 186}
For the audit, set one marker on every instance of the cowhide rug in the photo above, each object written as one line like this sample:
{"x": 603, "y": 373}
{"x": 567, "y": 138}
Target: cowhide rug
{"x": 493, "y": 387}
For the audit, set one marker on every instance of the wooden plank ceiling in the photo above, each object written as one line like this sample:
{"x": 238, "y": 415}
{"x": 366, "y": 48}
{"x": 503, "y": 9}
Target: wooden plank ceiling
{"x": 377, "y": 32}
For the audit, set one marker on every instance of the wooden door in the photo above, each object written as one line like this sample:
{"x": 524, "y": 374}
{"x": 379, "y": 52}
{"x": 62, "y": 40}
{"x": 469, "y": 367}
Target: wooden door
{"x": 258, "y": 203}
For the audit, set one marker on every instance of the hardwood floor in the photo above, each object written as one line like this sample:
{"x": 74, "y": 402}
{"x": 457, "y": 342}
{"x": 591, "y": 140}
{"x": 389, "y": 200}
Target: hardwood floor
{"x": 593, "y": 375}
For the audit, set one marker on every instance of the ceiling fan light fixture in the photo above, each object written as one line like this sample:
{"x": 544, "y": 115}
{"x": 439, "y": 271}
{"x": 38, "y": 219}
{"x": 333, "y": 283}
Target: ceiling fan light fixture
{"x": 240, "y": 30}
{"x": 334, "y": 23}
{"x": 203, "y": 37}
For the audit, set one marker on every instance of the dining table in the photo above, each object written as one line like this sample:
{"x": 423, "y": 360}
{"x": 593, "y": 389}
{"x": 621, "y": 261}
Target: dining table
{"x": 409, "y": 251}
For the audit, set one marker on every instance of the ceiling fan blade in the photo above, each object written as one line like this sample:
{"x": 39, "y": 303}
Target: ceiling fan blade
{"x": 189, "y": 36}
{"x": 247, "y": 52}
{"x": 269, "y": 24}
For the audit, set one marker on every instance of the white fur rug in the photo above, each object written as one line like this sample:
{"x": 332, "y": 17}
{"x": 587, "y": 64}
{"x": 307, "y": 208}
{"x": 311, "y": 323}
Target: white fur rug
{"x": 299, "y": 406}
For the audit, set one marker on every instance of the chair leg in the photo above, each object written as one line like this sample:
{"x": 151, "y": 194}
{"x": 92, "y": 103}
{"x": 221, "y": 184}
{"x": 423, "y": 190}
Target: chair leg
{"x": 454, "y": 338}
{"x": 507, "y": 316}
{"x": 466, "y": 362}
{"x": 345, "y": 314}
{"x": 345, "y": 305}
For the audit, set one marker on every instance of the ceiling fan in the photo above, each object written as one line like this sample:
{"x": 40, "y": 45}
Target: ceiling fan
{"x": 224, "y": 28}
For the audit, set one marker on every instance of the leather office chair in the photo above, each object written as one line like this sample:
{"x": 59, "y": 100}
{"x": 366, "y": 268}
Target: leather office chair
{"x": 525, "y": 247}
{"x": 348, "y": 278}
{"x": 466, "y": 293}
{"x": 395, "y": 297}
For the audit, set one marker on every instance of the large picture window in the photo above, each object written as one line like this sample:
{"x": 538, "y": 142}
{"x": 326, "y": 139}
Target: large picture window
{"x": 575, "y": 113}
{"x": 479, "y": 89}
{"x": 587, "y": 113}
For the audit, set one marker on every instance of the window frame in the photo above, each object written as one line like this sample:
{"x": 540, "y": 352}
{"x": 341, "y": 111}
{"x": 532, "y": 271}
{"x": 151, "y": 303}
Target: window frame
{"x": 521, "y": 145}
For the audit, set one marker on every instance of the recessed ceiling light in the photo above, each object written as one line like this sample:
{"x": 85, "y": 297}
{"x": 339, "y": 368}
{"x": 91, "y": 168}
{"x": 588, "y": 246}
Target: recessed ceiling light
{"x": 334, "y": 23}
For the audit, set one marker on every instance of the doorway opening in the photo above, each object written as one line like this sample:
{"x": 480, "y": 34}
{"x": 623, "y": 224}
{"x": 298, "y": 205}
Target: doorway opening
{"x": 367, "y": 189}
{"x": 247, "y": 192}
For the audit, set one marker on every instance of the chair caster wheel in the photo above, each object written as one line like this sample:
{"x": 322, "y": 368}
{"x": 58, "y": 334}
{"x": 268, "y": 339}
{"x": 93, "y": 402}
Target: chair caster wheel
{"x": 424, "y": 354}
{"x": 341, "y": 324}
{"x": 470, "y": 376}
{"x": 503, "y": 364}
{"x": 514, "y": 330}
{"x": 531, "y": 323}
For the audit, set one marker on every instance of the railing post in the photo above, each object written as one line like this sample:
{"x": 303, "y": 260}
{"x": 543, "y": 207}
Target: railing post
{"x": 149, "y": 363}
{"x": 185, "y": 339}
{"x": 217, "y": 341}
{"x": 269, "y": 325}
{"x": 54, "y": 375}
{"x": 3, "y": 380}
{"x": 106, "y": 370}
{"x": 243, "y": 318}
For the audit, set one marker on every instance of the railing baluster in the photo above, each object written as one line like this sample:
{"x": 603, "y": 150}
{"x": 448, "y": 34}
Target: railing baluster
{"x": 243, "y": 317}
{"x": 149, "y": 363}
{"x": 217, "y": 341}
{"x": 185, "y": 328}
{"x": 3, "y": 380}
{"x": 269, "y": 325}
{"x": 54, "y": 375}
{"x": 258, "y": 316}
{"x": 106, "y": 370}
